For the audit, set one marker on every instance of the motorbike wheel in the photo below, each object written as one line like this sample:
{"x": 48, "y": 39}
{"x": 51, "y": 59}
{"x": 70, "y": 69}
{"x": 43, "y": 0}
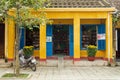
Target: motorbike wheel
{"x": 33, "y": 67}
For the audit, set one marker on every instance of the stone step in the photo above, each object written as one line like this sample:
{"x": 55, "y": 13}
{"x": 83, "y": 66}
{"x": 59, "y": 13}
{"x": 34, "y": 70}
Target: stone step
{"x": 48, "y": 63}
{"x": 70, "y": 63}
{"x": 85, "y": 63}
{"x": 5, "y": 65}
{"x": 118, "y": 63}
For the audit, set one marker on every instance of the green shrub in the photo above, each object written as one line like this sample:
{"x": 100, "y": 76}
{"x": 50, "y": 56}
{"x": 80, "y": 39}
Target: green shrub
{"x": 28, "y": 51}
{"x": 91, "y": 50}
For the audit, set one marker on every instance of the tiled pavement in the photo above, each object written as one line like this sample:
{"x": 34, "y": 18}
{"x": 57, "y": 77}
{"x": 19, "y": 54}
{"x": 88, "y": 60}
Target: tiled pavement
{"x": 69, "y": 73}
{"x": 66, "y": 70}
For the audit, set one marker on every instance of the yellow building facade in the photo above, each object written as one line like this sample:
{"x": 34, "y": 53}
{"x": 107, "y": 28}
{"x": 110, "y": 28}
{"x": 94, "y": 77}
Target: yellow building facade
{"x": 76, "y": 25}
{"x": 78, "y": 18}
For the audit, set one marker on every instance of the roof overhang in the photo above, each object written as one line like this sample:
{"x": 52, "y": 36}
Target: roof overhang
{"x": 80, "y": 9}
{"x": 111, "y": 9}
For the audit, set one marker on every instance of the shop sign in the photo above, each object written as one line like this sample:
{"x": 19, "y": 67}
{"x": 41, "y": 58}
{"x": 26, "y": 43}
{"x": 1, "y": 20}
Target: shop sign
{"x": 101, "y": 36}
{"x": 49, "y": 38}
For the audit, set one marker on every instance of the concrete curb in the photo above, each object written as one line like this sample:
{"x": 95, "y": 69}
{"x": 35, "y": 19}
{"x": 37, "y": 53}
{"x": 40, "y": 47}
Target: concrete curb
{"x": 5, "y": 65}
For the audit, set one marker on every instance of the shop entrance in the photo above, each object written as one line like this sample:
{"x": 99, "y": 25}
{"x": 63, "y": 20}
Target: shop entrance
{"x": 60, "y": 40}
{"x": 118, "y": 45}
{"x": 2, "y": 40}
{"x": 32, "y": 38}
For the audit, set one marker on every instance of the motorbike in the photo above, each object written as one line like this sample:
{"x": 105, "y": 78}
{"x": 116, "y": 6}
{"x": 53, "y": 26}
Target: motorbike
{"x": 26, "y": 61}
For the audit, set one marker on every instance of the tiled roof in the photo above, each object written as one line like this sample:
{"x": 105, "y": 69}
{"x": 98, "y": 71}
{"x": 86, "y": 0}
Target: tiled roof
{"x": 78, "y": 3}
{"x": 115, "y": 3}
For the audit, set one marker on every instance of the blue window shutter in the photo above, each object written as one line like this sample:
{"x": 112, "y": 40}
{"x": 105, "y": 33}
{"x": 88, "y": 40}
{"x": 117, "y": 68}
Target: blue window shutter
{"x": 101, "y": 43}
{"x": 71, "y": 42}
{"x": 22, "y": 38}
{"x": 49, "y": 47}
{"x": 49, "y": 30}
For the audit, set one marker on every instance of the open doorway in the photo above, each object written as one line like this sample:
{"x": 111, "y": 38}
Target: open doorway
{"x": 60, "y": 40}
{"x": 2, "y": 40}
{"x": 118, "y": 45}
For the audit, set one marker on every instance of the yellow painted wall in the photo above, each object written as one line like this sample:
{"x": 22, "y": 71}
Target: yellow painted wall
{"x": 109, "y": 38}
{"x": 42, "y": 51}
{"x": 82, "y": 21}
{"x": 74, "y": 17}
{"x": 82, "y": 15}
{"x": 11, "y": 40}
{"x": 99, "y": 53}
{"x": 36, "y": 53}
{"x": 92, "y": 21}
{"x": 76, "y": 38}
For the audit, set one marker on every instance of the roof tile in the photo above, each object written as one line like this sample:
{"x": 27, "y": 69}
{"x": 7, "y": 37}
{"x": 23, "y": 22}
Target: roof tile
{"x": 78, "y": 3}
{"x": 115, "y": 3}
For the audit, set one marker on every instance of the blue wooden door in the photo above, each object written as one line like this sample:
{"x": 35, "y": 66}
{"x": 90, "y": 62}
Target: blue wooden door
{"x": 49, "y": 47}
{"x": 22, "y": 38}
{"x": 71, "y": 42}
{"x": 101, "y": 42}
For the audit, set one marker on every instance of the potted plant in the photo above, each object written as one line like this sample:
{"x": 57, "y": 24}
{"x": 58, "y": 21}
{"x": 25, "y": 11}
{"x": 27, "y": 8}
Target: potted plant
{"x": 28, "y": 51}
{"x": 91, "y": 50}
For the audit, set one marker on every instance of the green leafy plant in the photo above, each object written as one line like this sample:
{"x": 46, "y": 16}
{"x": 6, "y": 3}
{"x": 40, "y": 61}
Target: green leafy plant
{"x": 91, "y": 50}
{"x": 28, "y": 51}
{"x": 20, "y": 12}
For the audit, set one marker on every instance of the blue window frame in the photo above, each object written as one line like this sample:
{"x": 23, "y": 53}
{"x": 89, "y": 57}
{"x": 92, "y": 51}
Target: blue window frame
{"x": 89, "y": 36}
{"x": 101, "y": 41}
{"x": 71, "y": 42}
{"x": 22, "y": 37}
{"x": 49, "y": 43}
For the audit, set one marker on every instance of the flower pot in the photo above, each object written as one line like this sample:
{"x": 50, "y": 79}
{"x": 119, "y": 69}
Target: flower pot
{"x": 28, "y": 51}
{"x": 91, "y": 58}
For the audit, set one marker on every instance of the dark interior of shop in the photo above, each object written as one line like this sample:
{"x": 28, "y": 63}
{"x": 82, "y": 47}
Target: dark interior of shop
{"x": 32, "y": 37}
{"x": 118, "y": 45}
{"x": 60, "y": 40}
{"x": 2, "y": 39}
{"x": 88, "y": 36}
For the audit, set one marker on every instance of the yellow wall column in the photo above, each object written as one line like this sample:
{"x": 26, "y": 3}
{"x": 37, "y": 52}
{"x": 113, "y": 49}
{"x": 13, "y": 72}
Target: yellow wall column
{"x": 42, "y": 52}
{"x": 11, "y": 39}
{"x": 6, "y": 37}
{"x": 109, "y": 44}
{"x": 76, "y": 38}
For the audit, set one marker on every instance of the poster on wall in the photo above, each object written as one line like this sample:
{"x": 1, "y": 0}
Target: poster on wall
{"x": 101, "y": 36}
{"x": 49, "y": 38}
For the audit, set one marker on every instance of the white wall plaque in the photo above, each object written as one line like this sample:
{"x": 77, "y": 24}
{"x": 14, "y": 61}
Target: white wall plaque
{"x": 101, "y": 36}
{"x": 49, "y": 38}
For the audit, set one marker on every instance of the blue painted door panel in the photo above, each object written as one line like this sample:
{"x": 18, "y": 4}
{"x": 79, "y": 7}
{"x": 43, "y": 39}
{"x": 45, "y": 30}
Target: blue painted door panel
{"x": 49, "y": 47}
{"x": 102, "y": 42}
{"x": 71, "y": 42}
{"x": 22, "y": 38}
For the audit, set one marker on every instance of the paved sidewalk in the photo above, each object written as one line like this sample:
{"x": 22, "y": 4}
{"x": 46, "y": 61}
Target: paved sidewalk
{"x": 69, "y": 73}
